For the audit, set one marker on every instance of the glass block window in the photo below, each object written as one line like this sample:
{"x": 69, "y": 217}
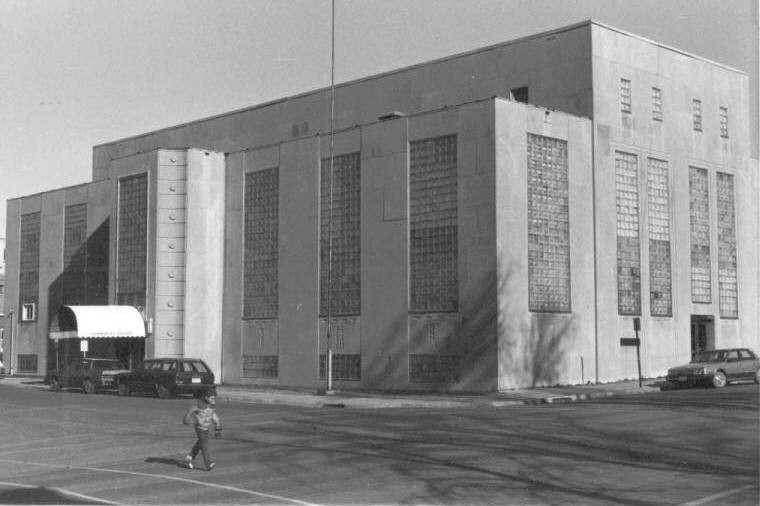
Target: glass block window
{"x": 625, "y": 95}
{"x": 724, "y": 122}
{"x": 347, "y": 367}
{"x": 433, "y": 368}
{"x": 345, "y": 278}
{"x": 74, "y": 237}
{"x": 27, "y": 363}
{"x": 433, "y": 240}
{"x": 627, "y": 229}
{"x": 699, "y": 210}
{"x": 548, "y": 225}
{"x": 260, "y": 366}
{"x": 261, "y": 244}
{"x": 658, "y": 201}
{"x": 132, "y": 240}
{"x": 29, "y": 259}
{"x": 656, "y": 104}
{"x": 696, "y": 111}
{"x": 727, "y": 279}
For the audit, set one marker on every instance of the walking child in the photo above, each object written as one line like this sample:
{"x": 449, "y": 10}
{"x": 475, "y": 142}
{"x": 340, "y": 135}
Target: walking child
{"x": 203, "y": 417}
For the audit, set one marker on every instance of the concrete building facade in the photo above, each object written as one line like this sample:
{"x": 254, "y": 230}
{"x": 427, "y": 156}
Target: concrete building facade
{"x": 491, "y": 220}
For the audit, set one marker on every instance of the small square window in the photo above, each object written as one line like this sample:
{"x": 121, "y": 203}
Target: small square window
{"x": 625, "y": 95}
{"x": 724, "y": 122}
{"x": 656, "y": 104}
{"x": 696, "y": 109}
{"x": 28, "y": 312}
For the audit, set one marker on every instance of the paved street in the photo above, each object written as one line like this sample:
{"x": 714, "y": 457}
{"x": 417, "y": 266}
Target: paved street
{"x": 697, "y": 446}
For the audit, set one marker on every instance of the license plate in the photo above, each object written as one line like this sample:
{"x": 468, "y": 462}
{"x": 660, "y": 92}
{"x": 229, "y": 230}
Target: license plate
{"x": 682, "y": 378}
{"x": 196, "y": 380}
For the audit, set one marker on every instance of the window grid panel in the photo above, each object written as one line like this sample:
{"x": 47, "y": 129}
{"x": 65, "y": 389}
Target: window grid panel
{"x": 260, "y": 366}
{"x": 699, "y": 210}
{"x": 724, "y": 122}
{"x": 656, "y": 104}
{"x": 74, "y": 237}
{"x": 345, "y": 293}
{"x": 627, "y": 228}
{"x": 261, "y": 244}
{"x": 346, "y": 367}
{"x": 625, "y": 95}
{"x": 424, "y": 368}
{"x": 696, "y": 108}
{"x": 433, "y": 232}
{"x": 660, "y": 274}
{"x": 727, "y": 274}
{"x": 548, "y": 225}
{"x": 29, "y": 258}
{"x": 132, "y": 240}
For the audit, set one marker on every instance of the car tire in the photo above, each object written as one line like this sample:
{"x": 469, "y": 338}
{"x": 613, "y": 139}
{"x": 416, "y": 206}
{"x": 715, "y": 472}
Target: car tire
{"x": 55, "y": 385}
{"x": 123, "y": 389}
{"x": 162, "y": 391}
{"x": 757, "y": 376}
{"x": 88, "y": 387}
{"x": 719, "y": 379}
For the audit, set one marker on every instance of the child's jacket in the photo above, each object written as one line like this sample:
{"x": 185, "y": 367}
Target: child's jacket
{"x": 202, "y": 418}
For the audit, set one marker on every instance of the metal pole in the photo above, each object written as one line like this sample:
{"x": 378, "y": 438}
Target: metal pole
{"x": 10, "y": 345}
{"x": 330, "y": 214}
{"x": 638, "y": 355}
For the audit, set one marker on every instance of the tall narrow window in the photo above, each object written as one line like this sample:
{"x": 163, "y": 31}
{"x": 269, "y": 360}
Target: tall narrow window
{"x": 548, "y": 225}
{"x": 658, "y": 202}
{"x": 727, "y": 278}
{"x": 628, "y": 241}
{"x": 656, "y": 104}
{"x": 724, "y": 122}
{"x": 625, "y": 95}
{"x": 29, "y": 265}
{"x": 345, "y": 278}
{"x": 696, "y": 110}
{"x": 433, "y": 241}
{"x": 132, "y": 240}
{"x": 261, "y": 253}
{"x": 699, "y": 211}
{"x": 74, "y": 254}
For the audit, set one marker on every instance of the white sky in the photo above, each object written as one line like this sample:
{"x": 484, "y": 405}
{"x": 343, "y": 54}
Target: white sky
{"x": 75, "y": 73}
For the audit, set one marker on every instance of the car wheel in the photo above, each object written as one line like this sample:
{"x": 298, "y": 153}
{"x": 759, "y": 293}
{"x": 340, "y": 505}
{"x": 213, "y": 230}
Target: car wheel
{"x": 123, "y": 389}
{"x": 757, "y": 376}
{"x": 719, "y": 379}
{"x": 88, "y": 386}
{"x": 55, "y": 385}
{"x": 163, "y": 392}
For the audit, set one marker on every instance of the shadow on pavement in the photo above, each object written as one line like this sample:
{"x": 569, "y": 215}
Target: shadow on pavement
{"x": 41, "y": 495}
{"x": 167, "y": 461}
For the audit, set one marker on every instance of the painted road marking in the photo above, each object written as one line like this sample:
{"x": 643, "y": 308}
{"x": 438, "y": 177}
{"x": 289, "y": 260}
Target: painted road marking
{"x": 715, "y": 497}
{"x": 61, "y": 491}
{"x": 164, "y": 476}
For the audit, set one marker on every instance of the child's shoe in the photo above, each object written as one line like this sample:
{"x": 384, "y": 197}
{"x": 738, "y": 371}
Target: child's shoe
{"x": 211, "y": 466}
{"x": 189, "y": 462}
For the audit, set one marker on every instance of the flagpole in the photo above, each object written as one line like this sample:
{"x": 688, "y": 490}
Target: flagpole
{"x": 330, "y": 215}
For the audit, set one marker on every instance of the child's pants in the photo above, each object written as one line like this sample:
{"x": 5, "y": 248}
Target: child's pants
{"x": 201, "y": 446}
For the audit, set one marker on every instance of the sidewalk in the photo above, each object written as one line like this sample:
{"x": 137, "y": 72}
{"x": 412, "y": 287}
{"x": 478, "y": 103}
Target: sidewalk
{"x": 377, "y": 399}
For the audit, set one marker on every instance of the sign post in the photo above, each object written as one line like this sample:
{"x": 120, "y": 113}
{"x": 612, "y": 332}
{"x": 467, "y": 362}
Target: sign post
{"x": 83, "y": 346}
{"x": 634, "y": 341}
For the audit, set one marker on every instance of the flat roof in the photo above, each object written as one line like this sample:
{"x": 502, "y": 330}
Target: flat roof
{"x": 519, "y": 40}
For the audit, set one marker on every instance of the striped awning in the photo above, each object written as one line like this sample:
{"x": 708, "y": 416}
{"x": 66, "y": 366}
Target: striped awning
{"x": 93, "y": 322}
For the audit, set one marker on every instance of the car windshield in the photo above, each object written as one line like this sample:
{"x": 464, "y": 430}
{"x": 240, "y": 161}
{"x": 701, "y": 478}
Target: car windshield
{"x": 709, "y": 356}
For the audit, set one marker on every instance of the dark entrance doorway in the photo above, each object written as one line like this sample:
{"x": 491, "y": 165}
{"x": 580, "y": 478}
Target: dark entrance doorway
{"x": 702, "y": 333}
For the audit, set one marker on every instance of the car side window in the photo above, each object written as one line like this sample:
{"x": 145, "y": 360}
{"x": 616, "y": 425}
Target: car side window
{"x": 745, "y": 355}
{"x": 732, "y": 356}
{"x": 187, "y": 367}
{"x": 199, "y": 367}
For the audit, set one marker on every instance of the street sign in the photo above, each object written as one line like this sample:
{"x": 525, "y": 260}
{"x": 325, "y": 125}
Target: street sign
{"x": 630, "y": 341}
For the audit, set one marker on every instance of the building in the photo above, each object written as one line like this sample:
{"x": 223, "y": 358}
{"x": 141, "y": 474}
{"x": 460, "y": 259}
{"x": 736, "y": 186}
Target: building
{"x": 498, "y": 219}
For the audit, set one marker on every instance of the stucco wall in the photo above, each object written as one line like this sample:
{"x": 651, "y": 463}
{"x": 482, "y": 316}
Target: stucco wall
{"x": 681, "y": 77}
{"x": 535, "y": 348}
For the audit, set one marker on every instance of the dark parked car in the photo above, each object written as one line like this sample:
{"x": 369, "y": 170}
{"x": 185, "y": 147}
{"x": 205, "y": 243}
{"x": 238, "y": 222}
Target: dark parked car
{"x": 716, "y": 368}
{"x": 166, "y": 377}
{"x": 89, "y": 374}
